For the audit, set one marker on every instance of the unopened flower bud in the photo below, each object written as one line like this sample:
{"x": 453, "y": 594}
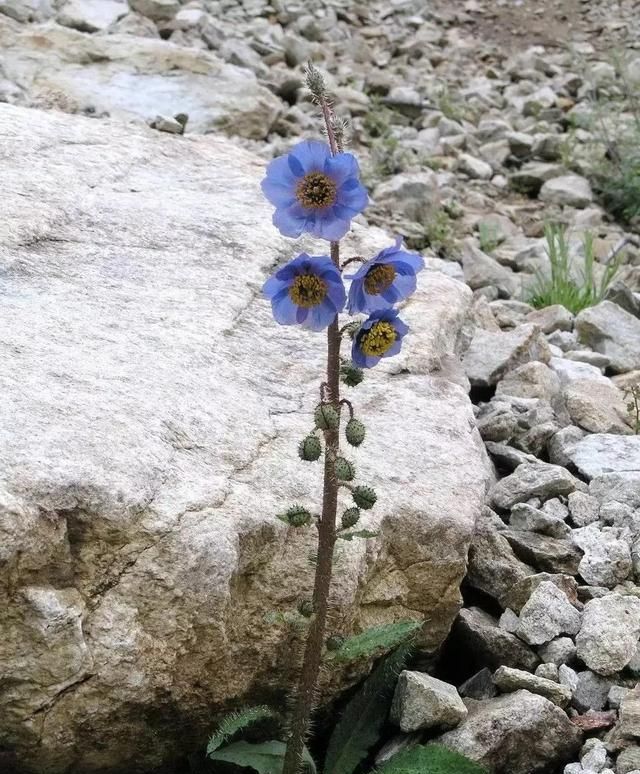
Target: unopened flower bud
{"x": 296, "y": 516}
{"x": 326, "y": 416}
{"x": 350, "y": 518}
{"x": 305, "y": 608}
{"x": 334, "y": 642}
{"x": 355, "y": 432}
{"x": 310, "y": 448}
{"x": 345, "y": 470}
{"x": 351, "y": 375}
{"x": 364, "y": 497}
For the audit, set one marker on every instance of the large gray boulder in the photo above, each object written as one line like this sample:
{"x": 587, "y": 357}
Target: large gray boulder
{"x": 134, "y": 78}
{"x": 518, "y": 732}
{"x": 611, "y": 330}
{"x": 149, "y": 419}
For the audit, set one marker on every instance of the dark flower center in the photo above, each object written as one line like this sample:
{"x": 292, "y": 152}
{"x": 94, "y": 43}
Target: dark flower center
{"x": 316, "y": 190}
{"x": 308, "y": 290}
{"x": 379, "y": 278}
{"x": 378, "y": 339}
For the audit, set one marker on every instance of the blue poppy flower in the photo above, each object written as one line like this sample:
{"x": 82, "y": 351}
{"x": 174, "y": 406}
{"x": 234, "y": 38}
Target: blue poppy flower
{"x": 314, "y": 191}
{"x": 308, "y": 291}
{"x": 380, "y": 335}
{"x": 384, "y": 280}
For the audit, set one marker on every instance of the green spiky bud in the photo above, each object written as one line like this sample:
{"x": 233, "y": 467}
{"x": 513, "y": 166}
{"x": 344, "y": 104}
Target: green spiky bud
{"x": 305, "y": 608}
{"x": 351, "y": 375}
{"x": 345, "y": 470}
{"x": 296, "y": 516}
{"x": 355, "y": 432}
{"x": 326, "y": 416}
{"x": 350, "y": 518}
{"x": 334, "y": 642}
{"x": 310, "y": 448}
{"x": 364, "y": 497}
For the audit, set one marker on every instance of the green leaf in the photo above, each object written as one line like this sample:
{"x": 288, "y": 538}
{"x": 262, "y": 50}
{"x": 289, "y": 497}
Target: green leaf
{"x": 379, "y": 638}
{"x": 361, "y": 533}
{"x": 235, "y": 722}
{"x": 363, "y": 717}
{"x": 265, "y": 758}
{"x": 433, "y": 759}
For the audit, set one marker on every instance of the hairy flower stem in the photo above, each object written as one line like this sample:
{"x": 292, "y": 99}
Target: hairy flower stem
{"x": 305, "y": 698}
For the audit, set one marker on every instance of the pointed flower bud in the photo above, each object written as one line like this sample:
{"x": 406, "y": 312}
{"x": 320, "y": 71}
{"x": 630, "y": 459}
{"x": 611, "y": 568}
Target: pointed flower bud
{"x": 364, "y": 497}
{"x": 310, "y": 448}
{"x": 305, "y": 608}
{"x": 355, "y": 432}
{"x": 345, "y": 470}
{"x": 350, "y": 518}
{"x": 351, "y": 375}
{"x": 326, "y": 416}
{"x": 296, "y": 516}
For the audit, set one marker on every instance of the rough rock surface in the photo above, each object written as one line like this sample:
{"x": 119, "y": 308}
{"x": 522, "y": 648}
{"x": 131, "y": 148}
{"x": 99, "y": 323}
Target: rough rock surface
{"x": 518, "y": 732}
{"x": 422, "y": 701}
{"x": 609, "y": 634}
{"x": 134, "y": 77}
{"x": 145, "y": 420}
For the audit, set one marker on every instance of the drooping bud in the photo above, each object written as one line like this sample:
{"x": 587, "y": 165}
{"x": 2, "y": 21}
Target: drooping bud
{"x": 334, "y": 642}
{"x": 310, "y": 448}
{"x": 350, "y": 518}
{"x": 305, "y": 608}
{"x": 326, "y": 416}
{"x": 351, "y": 375}
{"x": 355, "y": 431}
{"x": 364, "y": 497}
{"x": 296, "y": 516}
{"x": 345, "y": 470}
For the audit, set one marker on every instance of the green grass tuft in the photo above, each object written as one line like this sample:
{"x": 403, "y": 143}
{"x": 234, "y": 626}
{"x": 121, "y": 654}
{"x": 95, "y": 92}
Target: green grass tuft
{"x": 562, "y": 287}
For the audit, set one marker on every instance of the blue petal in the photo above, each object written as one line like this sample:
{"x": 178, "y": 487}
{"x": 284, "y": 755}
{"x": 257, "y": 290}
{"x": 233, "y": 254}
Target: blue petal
{"x": 401, "y": 327}
{"x": 310, "y": 155}
{"x": 337, "y": 295}
{"x": 405, "y": 285}
{"x": 390, "y": 296}
{"x": 329, "y": 227}
{"x": 342, "y": 167}
{"x": 321, "y": 316}
{"x": 355, "y": 198}
{"x": 280, "y": 195}
{"x": 394, "y": 348}
{"x": 288, "y": 221}
{"x": 273, "y": 286}
{"x": 301, "y": 314}
{"x": 284, "y": 310}
{"x": 279, "y": 171}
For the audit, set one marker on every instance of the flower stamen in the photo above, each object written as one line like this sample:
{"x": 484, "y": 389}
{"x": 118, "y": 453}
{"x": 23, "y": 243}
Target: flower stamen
{"x": 308, "y": 290}
{"x": 379, "y": 278}
{"x": 378, "y": 339}
{"x": 316, "y": 190}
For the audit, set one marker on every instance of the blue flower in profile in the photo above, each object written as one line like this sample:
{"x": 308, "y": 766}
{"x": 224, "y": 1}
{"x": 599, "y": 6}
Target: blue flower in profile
{"x": 308, "y": 291}
{"x": 387, "y": 278}
{"x": 314, "y": 191}
{"x": 380, "y": 335}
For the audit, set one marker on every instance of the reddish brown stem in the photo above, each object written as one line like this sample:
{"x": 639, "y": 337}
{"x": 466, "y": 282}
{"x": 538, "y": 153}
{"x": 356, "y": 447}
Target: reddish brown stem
{"x": 305, "y": 698}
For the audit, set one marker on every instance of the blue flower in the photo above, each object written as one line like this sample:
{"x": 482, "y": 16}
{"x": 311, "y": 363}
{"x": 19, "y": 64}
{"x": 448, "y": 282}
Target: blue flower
{"x": 379, "y": 336}
{"x": 308, "y": 291}
{"x": 314, "y": 191}
{"x": 384, "y": 280}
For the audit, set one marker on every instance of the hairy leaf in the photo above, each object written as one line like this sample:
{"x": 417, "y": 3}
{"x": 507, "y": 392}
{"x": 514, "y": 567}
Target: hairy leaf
{"x": 363, "y": 717}
{"x": 235, "y": 722}
{"x": 432, "y": 759}
{"x": 265, "y": 758}
{"x": 375, "y": 640}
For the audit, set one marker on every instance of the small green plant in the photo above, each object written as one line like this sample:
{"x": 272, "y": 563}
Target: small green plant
{"x": 488, "y": 237}
{"x": 633, "y": 406}
{"x": 451, "y": 106}
{"x": 436, "y": 233}
{"x": 432, "y": 759}
{"x": 562, "y": 286}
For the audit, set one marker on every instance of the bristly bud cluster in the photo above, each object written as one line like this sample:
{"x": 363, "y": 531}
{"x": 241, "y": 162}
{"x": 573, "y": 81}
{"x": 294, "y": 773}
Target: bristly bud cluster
{"x": 326, "y": 416}
{"x": 364, "y": 497}
{"x": 345, "y": 470}
{"x": 351, "y": 375}
{"x": 296, "y": 516}
{"x": 315, "y": 83}
{"x": 355, "y": 432}
{"x": 350, "y": 518}
{"x": 310, "y": 448}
